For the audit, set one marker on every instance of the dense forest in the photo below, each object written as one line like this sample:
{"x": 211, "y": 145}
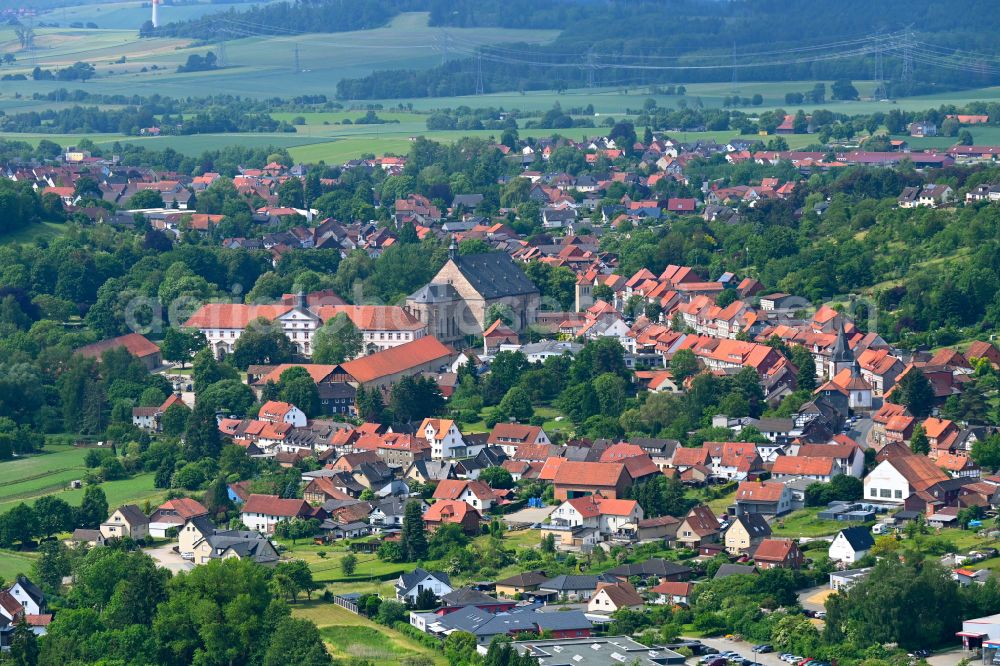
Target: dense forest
{"x": 698, "y": 41}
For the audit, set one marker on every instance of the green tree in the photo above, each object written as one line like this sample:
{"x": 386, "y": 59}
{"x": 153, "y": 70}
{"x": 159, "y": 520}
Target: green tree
{"x": 986, "y": 452}
{"x": 201, "y": 436}
{"x": 497, "y": 477}
{"x": 516, "y": 404}
{"x": 683, "y": 364}
{"x": 23, "y": 645}
{"x": 414, "y": 533}
{"x": 93, "y": 508}
{"x": 915, "y": 392}
{"x": 611, "y": 394}
{"x": 230, "y": 396}
{"x": 919, "y": 442}
{"x": 17, "y": 526}
{"x": 349, "y": 564}
{"x": 460, "y": 648}
{"x": 262, "y": 343}
{"x": 297, "y": 387}
{"x": 338, "y": 340}
{"x": 180, "y": 344}
{"x": 296, "y": 642}
{"x": 175, "y": 419}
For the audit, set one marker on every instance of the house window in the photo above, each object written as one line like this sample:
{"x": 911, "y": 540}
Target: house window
{"x": 874, "y": 492}
{"x": 885, "y": 492}
{"x": 899, "y": 494}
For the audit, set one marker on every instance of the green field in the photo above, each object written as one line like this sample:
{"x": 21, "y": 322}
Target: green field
{"x": 254, "y": 66}
{"x": 27, "y": 479}
{"x": 129, "y": 15}
{"x": 13, "y": 562}
{"x": 348, "y": 635}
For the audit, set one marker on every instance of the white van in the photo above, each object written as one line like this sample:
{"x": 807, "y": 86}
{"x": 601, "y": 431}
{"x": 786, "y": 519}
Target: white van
{"x": 880, "y": 528}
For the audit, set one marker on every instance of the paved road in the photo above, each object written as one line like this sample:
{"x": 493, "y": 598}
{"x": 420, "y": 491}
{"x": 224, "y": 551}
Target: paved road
{"x": 859, "y": 431}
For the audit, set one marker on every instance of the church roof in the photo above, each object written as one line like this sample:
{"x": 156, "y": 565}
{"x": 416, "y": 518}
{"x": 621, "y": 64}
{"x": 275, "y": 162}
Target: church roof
{"x": 494, "y": 275}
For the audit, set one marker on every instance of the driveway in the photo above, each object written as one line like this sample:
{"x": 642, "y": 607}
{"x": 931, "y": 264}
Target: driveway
{"x": 166, "y": 558}
{"x": 814, "y": 598}
{"x": 529, "y": 516}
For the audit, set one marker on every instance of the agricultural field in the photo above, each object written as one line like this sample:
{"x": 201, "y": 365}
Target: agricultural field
{"x": 50, "y": 473}
{"x": 351, "y": 636}
{"x": 130, "y": 15}
{"x": 254, "y": 66}
{"x": 13, "y": 562}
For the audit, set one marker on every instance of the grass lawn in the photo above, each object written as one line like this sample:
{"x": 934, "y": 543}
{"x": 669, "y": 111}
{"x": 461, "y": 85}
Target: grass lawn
{"x": 36, "y": 475}
{"x": 804, "y": 523}
{"x": 348, "y": 635}
{"x": 136, "y": 490}
{"x": 29, "y": 234}
{"x": 13, "y": 562}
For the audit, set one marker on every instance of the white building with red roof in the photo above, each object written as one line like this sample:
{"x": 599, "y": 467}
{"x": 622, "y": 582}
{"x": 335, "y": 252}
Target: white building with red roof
{"x": 274, "y": 411}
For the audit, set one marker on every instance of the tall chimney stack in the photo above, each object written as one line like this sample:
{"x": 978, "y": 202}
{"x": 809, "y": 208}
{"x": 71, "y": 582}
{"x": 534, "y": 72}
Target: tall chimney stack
{"x": 156, "y": 17}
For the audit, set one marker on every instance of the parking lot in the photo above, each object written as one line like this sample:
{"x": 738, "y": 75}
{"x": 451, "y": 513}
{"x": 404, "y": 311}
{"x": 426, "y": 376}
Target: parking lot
{"x": 743, "y": 648}
{"x": 166, "y": 558}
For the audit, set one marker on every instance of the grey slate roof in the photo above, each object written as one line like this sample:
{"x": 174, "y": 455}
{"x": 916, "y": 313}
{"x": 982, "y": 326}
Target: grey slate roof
{"x": 859, "y": 538}
{"x": 434, "y": 292}
{"x": 494, "y": 275}
{"x": 406, "y": 581}
{"x": 652, "y": 567}
{"x": 466, "y": 596}
{"x": 755, "y": 524}
{"x": 573, "y": 583}
{"x": 727, "y": 570}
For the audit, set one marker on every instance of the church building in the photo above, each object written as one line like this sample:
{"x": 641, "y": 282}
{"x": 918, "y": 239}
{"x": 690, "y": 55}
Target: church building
{"x": 456, "y": 302}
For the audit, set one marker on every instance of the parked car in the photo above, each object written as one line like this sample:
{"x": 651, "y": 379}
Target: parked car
{"x": 763, "y": 649}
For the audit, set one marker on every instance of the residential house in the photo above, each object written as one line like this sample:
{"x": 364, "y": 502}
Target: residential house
{"x": 454, "y": 512}
{"x": 778, "y": 553}
{"x": 445, "y": 438}
{"x": 126, "y": 521}
{"x": 816, "y": 469}
{"x": 263, "y": 512}
{"x": 200, "y": 541}
{"x": 274, "y": 411}
{"x": 509, "y": 436}
{"x": 172, "y": 514}
{"x": 521, "y": 583}
{"x": 698, "y": 527}
{"x": 672, "y": 593}
{"x": 768, "y": 498}
{"x": 611, "y": 597}
{"x": 135, "y": 344}
{"x": 575, "y": 587}
{"x": 652, "y": 568}
{"x": 576, "y": 479}
{"x": 745, "y": 532}
{"x": 851, "y": 544}
{"x": 410, "y": 585}
{"x": 476, "y": 494}
{"x": 895, "y": 479}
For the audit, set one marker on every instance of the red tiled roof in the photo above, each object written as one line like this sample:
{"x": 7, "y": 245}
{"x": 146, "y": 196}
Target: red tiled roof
{"x": 373, "y": 317}
{"x": 272, "y": 505}
{"x": 233, "y": 315}
{"x": 449, "y": 511}
{"x": 397, "y": 359}
{"x": 673, "y": 588}
{"x": 316, "y": 371}
{"x": 774, "y": 550}
{"x": 136, "y": 345}
{"x": 185, "y": 507}
{"x": 802, "y": 466}
{"x": 576, "y": 473}
{"x": 513, "y": 431}
{"x": 756, "y": 491}
{"x": 620, "y": 451}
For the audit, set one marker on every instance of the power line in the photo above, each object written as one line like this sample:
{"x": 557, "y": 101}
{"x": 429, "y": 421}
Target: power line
{"x": 479, "y": 75}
